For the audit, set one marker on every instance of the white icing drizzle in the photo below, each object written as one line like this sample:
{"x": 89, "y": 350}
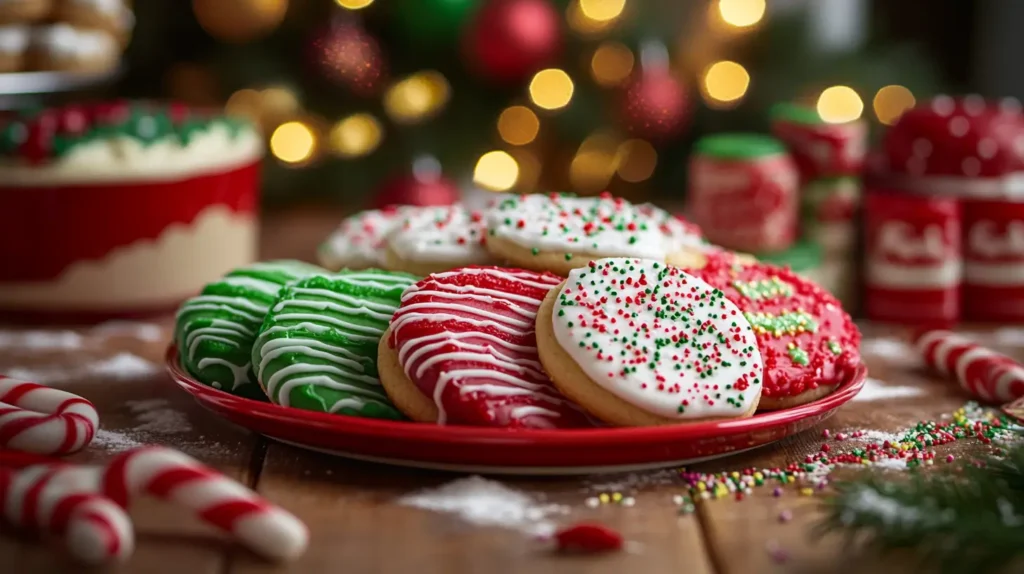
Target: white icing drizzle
{"x": 602, "y": 226}
{"x": 650, "y": 333}
{"x": 358, "y": 242}
{"x": 239, "y": 372}
{"x": 450, "y": 234}
{"x": 469, "y": 357}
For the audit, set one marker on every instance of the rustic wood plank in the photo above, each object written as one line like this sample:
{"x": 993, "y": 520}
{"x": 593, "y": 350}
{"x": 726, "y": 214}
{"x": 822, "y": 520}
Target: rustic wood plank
{"x": 119, "y": 367}
{"x": 357, "y": 524}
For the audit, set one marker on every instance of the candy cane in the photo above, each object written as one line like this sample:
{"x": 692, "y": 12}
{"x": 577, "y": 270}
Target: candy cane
{"x": 170, "y": 475}
{"x": 984, "y": 373}
{"x": 38, "y": 419}
{"x": 41, "y": 499}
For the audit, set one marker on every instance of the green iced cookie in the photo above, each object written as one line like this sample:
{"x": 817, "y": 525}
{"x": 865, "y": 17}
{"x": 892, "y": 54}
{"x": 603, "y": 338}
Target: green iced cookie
{"x": 215, "y": 330}
{"x": 317, "y": 349}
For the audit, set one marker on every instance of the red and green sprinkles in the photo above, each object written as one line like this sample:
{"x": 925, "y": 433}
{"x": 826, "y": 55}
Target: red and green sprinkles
{"x": 659, "y": 339}
{"x": 798, "y": 355}
{"x": 788, "y": 323}
{"x": 764, "y": 289}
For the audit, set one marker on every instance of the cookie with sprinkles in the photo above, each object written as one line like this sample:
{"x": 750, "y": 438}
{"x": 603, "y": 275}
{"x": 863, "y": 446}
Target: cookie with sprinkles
{"x": 638, "y": 342}
{"x": 215, "y": 330}
{"x": 687, "y": 246}
{"x": 561, "y": 232}
{"x": 358, "y": 242}
{"x": 317, "y": 348}
{"x": 808, "y": 342}
{"x": 434, "y": 239}
{"x": 461, "y": 350}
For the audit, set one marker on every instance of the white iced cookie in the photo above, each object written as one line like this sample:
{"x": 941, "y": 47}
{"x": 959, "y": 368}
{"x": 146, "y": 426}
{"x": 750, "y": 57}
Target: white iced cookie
{"x": 558, "y": 233}
{"x": 639, "y": 342}
{"x": 64, "y": 47}
{"x": 358, "y": 243}
{"x": 434, "y": 239}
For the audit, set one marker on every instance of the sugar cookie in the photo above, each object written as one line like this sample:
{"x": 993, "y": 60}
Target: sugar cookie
{"x": 63, "y": 47}
{"x": 24, "y": 11}
{"x": 215, "y": 330}
{"x": 317, "y": 349}
{"x": 560, "y": 232}
{"x": 462, "y": 350}
{"x": 808, "y": 343}
{"x": 637, "y": 342}
{"x": 434, "y": 239}
{"x": 358, "y": 243}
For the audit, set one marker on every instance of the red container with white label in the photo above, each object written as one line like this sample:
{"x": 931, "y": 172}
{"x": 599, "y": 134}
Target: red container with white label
{"x": 913, "y": 260}
{"x": 993, "y": 261}
{"x": 820, "y": 149}
{"x": 743, "y": 192}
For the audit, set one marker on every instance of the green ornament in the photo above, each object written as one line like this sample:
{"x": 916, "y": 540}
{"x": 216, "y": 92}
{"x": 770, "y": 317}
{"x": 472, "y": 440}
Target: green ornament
{"x": 434, "y": 22}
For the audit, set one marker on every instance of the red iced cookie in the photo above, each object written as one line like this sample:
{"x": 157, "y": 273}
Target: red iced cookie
{"x": 809, "y": 345}
{"x": 461, "y": 349}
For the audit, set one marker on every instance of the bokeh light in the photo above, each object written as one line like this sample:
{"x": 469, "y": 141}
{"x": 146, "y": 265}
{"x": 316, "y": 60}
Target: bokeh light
{"x": 518, "y": 125}
{"x": 840, "y": 104}
{"x": 891, "y": 101}
{"x": 354, "y": 4}
{"x": 582, "y": 24}
{"x": 244, "y": 104}
{"x": 293, "y": 142}
{"x": 594, "y": 164}
{"x": 417, "y": 97}
{"x": 602, "y": 10}
{"x": 636, "y": 160}
{"x": 741, "y": 13}
{"x": 611, "y": 64}
{"x": 725, "y": 81}
{"x": 496, "y": 171}
{"x": 356, "y": 135}
{"x": 551, "y": 89}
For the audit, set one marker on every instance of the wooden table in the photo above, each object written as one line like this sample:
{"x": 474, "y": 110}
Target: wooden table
{"x": 357, "y": 526}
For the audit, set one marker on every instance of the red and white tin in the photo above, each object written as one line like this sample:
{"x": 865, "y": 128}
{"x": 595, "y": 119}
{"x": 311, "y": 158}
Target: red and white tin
{"x": 993, "y": 261}
{"x": 743, "y": 193}
{"x": 913, "y": 258}
{"x": 820, "y": 149}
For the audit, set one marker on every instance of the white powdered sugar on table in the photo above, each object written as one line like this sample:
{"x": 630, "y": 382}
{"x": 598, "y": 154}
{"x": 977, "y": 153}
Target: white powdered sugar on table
{"x": 875, "y": 390}
{"x": 120, "y": 366}
{"x": 41, "y": 340}
{"x": 895, "y": 352}
{"x": 878, "y": 437}
{"x": 155, "y": 417}
{"x": 148, "y": 332}
{"x": 112, "y": 441}
{"x": 488, "y": 503}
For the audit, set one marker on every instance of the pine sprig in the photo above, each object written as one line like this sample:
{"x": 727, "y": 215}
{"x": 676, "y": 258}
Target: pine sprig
{"x": 972, "y": 518}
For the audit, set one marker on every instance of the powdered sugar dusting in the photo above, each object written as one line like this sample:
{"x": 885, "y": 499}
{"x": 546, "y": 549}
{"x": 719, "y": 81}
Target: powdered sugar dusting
{"x": 148, "y": 332}
{"x": 112, "y": 441}
{"x": 878, "y": 437}
{"x": 875, "y": 390}
{"x": 1009, "y": 336}
{"x": 156, "y": 418}
{"x": 488, "y": 503}
{"x": 895, "y": 352}
{"x": 41, "y": 340}
{"x": 120, "y": 366}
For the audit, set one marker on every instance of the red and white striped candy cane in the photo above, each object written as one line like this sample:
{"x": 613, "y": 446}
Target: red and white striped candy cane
{"x": 44, "y": 499}
{"x": 173, "y": 476}
{"x": 38, "y": 419}
{"x": 984, "y": 373}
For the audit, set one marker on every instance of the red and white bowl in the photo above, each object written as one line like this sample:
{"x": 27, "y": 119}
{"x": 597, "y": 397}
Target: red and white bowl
{"x": 119, "y": 227}
{"x": 502, "y": 451}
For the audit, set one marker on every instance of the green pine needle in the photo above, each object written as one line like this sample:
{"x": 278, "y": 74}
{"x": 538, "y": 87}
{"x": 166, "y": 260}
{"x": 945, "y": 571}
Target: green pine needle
{"x": 973, "y": 518}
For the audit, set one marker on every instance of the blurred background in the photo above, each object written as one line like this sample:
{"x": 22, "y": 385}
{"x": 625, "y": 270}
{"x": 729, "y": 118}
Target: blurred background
{"x": 349, "y": 92}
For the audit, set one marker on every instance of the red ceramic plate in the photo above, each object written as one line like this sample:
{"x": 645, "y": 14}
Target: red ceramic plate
{"x": 498, "y": 451}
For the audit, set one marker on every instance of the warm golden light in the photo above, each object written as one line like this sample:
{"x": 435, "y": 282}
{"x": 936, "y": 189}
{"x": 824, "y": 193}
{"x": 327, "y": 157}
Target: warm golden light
{"x": 518, "y": 125}
{"x": 417, "y": 97}
{"x": 551, "y": 89}
{"x": 293, "y": 142}
{"x": 356, "y": 135}
{"x": 245, "y": 104}
{"x": 580, "y": 23}
{"x": 741, "y": 13}
{"x": 636, "y": 160}
{"x": 278, "y": 102}
{"x": 602, "y": 10}
{"x": 725, "y": 81}
{"x": 496, "y": 171}
{"x": 891, "y": 101}
{"x": 611, "y": 64}
{"x": 594, "y": 164}
{"x": 354, "y": 4}
{"x": 840, "y": 104}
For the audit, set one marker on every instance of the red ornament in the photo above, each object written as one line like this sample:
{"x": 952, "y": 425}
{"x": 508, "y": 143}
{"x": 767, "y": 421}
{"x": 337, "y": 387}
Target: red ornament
{"x": 656, "y": 105}
{"x": 588, "y": 538}
{"x": 508, "y": 40}
{"x": 351, "y": 57}
{"x": 417, "y": 189}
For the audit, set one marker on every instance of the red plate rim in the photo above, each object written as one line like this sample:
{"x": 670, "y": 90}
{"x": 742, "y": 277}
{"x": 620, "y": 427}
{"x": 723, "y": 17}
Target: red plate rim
{"x": 420, "y": 432}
